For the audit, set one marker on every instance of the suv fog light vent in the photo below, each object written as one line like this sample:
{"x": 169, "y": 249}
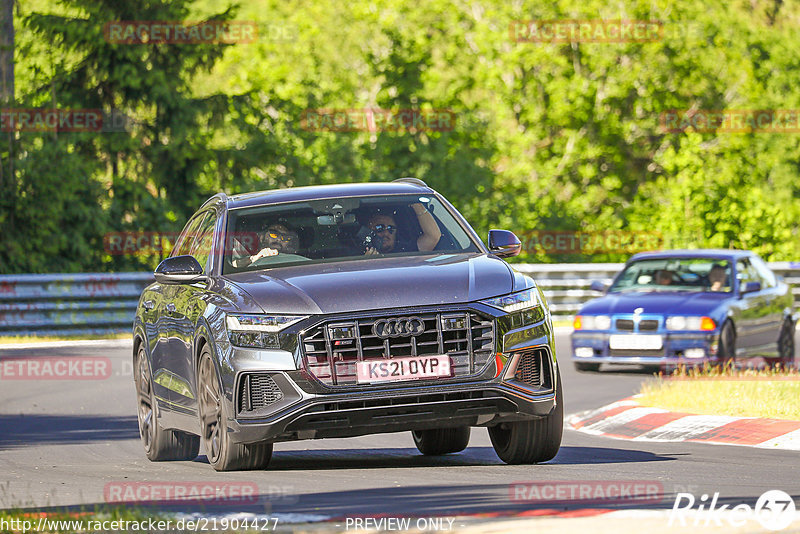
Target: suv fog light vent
{"x": 529, "y": 368}
{"x": 258, "y": 391}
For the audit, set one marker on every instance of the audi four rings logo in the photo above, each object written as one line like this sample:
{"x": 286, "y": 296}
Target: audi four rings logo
{"x": 402, "y": 326}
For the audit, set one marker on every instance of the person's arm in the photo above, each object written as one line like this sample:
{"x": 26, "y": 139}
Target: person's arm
{"x": 249, "y": 260}
{"x": 430, "y": 230}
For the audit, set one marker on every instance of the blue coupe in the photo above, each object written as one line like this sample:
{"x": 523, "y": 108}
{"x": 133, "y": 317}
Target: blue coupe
{"x": 687, "y": 307}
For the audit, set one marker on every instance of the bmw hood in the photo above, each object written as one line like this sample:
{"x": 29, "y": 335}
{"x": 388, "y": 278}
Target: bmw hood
{"x": 656, "y": 302}
{"x": 375, "y": 284}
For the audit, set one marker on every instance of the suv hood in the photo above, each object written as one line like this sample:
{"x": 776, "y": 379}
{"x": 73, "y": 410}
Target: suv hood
{"x": 375, "y": 284}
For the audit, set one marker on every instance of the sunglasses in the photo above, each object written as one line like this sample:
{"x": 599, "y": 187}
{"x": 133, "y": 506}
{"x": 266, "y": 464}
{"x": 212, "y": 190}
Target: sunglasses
{"x": 283, "y": 237}
{"x": 384, "y": 227}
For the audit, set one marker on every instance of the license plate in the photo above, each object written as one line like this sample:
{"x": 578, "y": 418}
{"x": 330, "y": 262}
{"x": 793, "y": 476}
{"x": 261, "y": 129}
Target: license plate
{"x": 393, "y": 369}
{"x": 634, "y": 342}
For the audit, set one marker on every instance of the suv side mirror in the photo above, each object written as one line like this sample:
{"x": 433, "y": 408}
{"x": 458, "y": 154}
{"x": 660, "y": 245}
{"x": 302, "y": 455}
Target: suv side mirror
{"x": 178, "y": 270}
{"x": 751, "y": 287}
{"x": 598, "y": 286}
{"x": 504, "y": 244}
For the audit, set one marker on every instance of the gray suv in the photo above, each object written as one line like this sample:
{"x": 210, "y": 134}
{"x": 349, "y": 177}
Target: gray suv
{"x": 338, "y": 311}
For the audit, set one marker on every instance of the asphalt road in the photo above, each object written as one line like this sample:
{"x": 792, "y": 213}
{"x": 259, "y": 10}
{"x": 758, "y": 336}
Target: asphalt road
{"x": 65, "y": 442}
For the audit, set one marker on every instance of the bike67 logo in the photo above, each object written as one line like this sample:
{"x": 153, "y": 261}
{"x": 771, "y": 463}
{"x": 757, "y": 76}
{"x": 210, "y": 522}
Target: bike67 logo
{"x": 775, "y": 510}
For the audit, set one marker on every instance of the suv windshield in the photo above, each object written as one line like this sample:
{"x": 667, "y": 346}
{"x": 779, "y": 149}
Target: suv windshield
{"x": 341, "y": 228}
{"x": 675, "y": 274}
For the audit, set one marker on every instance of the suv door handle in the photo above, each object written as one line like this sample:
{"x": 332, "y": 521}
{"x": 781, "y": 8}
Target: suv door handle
{"x": 170, "y": 307}
{"x": 149, "y": 304}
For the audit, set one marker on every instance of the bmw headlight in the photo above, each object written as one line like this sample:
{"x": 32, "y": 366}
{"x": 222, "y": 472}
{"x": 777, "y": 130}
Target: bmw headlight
{"x": 592, "y": 322}
{"x": 680, "y": 322}
{"x": 258, "y": 331}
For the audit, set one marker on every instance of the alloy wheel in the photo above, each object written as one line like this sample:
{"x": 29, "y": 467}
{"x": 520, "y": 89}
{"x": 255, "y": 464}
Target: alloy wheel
{"x": 144, "y": 393}
{"x": 210, "y": 409}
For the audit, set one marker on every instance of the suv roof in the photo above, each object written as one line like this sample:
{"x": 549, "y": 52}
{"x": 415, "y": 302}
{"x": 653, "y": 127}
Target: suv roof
{"x": 317, "y": 192}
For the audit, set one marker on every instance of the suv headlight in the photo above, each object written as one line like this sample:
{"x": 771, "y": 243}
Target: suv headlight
{"x": 258, "y": 331}
{"x": 522, "y": 300}
{"x": 523, "y": 307}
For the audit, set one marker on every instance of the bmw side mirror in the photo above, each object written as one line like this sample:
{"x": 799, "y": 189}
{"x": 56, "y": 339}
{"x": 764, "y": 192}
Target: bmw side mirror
{"x": 751, "y": 287}
{"x": 598, "y": 286}
{"x": 504, "y": 244}
{"x": 178, "y": 270}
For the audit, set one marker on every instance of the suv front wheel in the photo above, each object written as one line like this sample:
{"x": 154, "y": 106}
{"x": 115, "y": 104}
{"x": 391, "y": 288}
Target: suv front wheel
{"x": 531, "y": 442}
{"x": 222, "y": 453}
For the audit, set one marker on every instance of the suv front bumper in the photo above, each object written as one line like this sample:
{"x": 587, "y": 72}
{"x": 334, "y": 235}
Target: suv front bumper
{"x": 507, "y": 389}
{"x": 409, "y": 408}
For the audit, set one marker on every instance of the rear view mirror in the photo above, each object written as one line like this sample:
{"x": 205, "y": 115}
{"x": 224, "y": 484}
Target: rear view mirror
{"x": 598, "y": 286}
{"x": 504, "y": 244}
{"x": 336, "y": 218}
{"x": 178, "y": 270}
{"x": 750, "y": 287}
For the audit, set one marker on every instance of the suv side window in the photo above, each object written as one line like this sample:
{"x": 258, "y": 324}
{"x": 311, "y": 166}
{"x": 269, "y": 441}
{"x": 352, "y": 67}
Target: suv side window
{"x": 766, "y": 276}
{"x": 204, "y": 241}
{"x": 186, "y": 239}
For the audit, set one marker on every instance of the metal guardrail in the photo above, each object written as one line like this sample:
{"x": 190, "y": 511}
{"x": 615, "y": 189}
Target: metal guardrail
{"x": 69, "y": 304}
{"x": 83, "y": 304}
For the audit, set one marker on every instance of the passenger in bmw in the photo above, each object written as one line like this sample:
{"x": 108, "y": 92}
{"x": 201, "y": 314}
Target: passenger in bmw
{"x": 383, "y": 233}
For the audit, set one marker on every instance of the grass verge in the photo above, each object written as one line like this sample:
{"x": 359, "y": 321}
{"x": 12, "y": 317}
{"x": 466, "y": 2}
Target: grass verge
{"x": 102, "y": 518}
{"x": 740, "y": 393}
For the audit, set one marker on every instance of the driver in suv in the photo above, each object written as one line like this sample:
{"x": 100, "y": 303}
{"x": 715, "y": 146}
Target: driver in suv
{"x": 276, "y": 239}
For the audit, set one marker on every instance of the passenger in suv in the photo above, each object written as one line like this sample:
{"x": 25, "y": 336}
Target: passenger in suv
{"x": 384, "y": 232}
{"x": 325, "y": 341}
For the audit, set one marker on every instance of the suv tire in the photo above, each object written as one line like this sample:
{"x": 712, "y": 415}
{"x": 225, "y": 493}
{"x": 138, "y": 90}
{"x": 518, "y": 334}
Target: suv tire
{"x": 441, "y": 440}
{"x": 159, "y": 444}
{"x": 531, "y": 442}
{"x": 222, "y": 453}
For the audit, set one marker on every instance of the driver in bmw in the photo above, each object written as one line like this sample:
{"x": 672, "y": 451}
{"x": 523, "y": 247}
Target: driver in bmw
{"x": 277, "y": 238}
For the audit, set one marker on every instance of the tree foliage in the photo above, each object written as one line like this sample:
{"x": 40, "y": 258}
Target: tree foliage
{"x": 548, "y": 136}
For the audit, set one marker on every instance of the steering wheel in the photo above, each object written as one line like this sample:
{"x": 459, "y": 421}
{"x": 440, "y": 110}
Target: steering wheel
{"x": 283, "y": 257}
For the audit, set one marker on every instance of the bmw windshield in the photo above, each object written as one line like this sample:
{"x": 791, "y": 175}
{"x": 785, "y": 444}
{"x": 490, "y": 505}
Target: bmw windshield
{"x": 675, "y": 274}
{"x": 312, "y": 231}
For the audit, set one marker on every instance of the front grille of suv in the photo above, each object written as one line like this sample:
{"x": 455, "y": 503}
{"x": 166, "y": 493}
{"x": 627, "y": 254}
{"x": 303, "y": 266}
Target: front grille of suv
{"x": 332, "y": 349}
